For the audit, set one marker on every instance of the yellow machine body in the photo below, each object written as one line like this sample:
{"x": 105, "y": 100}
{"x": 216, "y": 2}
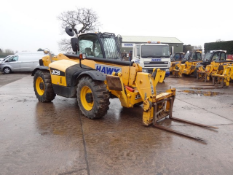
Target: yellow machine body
{"x": 176, "y": 69}
{"x": 224, "y": 76}
{"x": 189, "y": 67}
{"x": 215, "y": 68}
{"x": 131, "y": 85}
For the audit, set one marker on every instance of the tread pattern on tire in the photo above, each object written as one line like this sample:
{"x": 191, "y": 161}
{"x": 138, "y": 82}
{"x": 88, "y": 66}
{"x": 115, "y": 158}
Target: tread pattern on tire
{"x": 49, "y": 94}
{"x": 100, "y": 97}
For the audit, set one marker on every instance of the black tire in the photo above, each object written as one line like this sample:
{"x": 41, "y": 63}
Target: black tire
{"x": 195, "y": 73}
{"x": 6, "y": 70}
{"x": 98, "y": 103}
{"x": 43, "y": 87}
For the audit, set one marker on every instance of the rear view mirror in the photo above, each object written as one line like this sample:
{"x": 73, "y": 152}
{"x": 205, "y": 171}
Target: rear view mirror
{"x": 74, "y": 44}
{"x": 46, "y": 51}
{"x": 69, "y": 31}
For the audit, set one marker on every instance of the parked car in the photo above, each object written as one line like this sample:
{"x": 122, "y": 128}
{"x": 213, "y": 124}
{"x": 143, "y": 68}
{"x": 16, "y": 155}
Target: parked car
{"x": 25, "y": 61}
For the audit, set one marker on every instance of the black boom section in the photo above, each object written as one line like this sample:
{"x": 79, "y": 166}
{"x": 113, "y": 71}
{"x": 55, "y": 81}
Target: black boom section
{"x": 119, "y": 62}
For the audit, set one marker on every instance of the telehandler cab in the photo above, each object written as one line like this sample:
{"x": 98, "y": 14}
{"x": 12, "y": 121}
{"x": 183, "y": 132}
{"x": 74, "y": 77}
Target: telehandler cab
{"x": 96, "y": 72}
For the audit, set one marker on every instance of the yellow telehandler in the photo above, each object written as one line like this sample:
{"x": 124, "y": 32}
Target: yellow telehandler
{"x": 96, "y": 72}
{"x": 187, "y": 65}
{"x": 210, "y": 64}
{"x": 176, "y": 61}
{"x": 190, "y": 66}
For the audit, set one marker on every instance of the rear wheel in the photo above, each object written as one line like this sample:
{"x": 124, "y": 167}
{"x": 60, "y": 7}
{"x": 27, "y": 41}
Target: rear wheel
{"x": 92, "y": 97}
{"x": 43, "y": 86}
{"x": 6, "y": 70}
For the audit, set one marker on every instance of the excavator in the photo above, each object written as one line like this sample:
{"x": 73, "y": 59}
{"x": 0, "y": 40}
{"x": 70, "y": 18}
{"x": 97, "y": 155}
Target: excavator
{"x": 95, "y": 72}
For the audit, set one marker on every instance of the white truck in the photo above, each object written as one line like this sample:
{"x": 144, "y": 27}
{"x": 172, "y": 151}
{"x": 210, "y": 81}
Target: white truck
{"x": 152, "y": 55}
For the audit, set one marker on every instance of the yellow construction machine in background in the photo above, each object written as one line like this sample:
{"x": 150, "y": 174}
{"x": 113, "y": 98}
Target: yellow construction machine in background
{"x": 176, "y": 60}
{"x": 188, "y": 65}
{"x": 224, "y": 78}
{"x": 215, "y": 66}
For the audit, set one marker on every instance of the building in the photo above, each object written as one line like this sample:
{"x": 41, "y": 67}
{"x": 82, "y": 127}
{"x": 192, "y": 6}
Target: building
{"x": 128, "y": 41}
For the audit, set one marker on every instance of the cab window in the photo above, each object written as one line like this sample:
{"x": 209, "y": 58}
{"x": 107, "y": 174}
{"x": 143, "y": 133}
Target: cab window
{"x": 177, "y": 57}
{"x": 90, "y": 46}
{"x": 198, "y": 56}
{"x": 13, "y": 58}
{"x": 223, "y": 56}
{"x": 138, "y": 51}
{"x": 216, "y": 56}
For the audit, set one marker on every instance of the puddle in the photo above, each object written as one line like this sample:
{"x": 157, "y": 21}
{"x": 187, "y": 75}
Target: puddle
{"x": 206, "y": 87}
{"x": 205, "y": 93}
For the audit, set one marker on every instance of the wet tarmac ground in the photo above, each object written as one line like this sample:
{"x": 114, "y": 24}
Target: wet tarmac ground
{"x": 54, "y": 138}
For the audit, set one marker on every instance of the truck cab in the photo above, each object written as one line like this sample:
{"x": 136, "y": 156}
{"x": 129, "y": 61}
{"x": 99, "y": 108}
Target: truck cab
{"x": 152, "y": 55}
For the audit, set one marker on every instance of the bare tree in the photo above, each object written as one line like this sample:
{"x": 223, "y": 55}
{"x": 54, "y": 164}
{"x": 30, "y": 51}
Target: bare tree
{"x": 219, "y": 40}
{"x": 9, "y": 51}
{"x": 65, "y": 45}
{"x": 83, "y": 20}
{"x": 199, "y": 47}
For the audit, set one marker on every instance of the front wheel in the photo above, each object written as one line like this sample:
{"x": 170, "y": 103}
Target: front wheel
{"x": 6, "y": 70}
{"x": 92, "y": 97}
{"x": 43, "y": 86}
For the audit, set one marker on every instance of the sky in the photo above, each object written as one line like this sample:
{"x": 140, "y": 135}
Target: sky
{"x": 27, "y": 25}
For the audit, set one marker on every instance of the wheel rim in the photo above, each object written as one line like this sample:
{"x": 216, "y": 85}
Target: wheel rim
{"x": 40, "y": 86}
{"x": 7, "y": 70}
{"x": 84, "y": 91}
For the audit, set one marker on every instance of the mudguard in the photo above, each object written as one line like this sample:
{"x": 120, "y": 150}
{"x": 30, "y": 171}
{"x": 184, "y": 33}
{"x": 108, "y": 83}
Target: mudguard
{"x": 39, "y": 68}
{"x": 95, "y": 75}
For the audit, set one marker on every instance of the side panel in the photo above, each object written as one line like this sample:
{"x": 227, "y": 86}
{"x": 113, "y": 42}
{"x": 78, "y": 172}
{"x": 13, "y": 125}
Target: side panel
{"x": 64, "y": 74}
{"x": 145, "y": 85}
{"x": 58, "y": 77}
{"x": 69, "y": 92}
{"x": 58, "y": 72}
{"x": 104, "y": 67}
